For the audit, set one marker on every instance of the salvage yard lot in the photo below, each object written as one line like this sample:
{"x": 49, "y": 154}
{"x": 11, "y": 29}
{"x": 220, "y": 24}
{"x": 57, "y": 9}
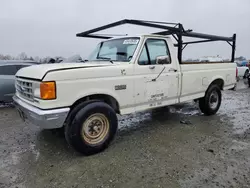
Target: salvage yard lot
{"x": 171, "y": 147}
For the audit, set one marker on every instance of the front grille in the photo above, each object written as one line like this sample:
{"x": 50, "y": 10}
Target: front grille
{"x": 24, "y": 89}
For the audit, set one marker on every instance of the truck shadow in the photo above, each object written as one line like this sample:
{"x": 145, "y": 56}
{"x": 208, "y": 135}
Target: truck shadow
{"x": 54, "y": 143}
{"x": 167, "y": 117}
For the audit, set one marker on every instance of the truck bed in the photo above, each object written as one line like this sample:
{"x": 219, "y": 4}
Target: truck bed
{"x": 197, "y": 76}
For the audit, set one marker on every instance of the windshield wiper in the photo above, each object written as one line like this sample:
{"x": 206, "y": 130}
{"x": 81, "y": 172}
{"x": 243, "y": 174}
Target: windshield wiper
{"x": 106, "y": 58}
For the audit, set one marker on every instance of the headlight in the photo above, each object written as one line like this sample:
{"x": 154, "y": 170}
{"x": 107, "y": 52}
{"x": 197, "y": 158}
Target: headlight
{"x": 36, "y": 90}
{"x": 45, "y": 90}
{"x": 48, "y": 90}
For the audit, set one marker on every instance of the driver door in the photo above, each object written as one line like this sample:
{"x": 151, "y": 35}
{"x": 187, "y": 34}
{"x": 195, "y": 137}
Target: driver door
{"x": 155, "y": 84}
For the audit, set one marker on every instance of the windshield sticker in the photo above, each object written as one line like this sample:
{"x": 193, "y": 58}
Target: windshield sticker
{"x": 131, "y": 41}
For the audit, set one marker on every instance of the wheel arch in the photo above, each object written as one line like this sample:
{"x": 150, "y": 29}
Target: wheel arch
{"x": 219, "y": 82}
{"x": 109, "y": 99}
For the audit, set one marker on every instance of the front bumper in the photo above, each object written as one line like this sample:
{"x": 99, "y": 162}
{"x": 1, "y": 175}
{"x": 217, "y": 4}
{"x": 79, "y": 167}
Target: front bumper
{"x": 46, "y": 119}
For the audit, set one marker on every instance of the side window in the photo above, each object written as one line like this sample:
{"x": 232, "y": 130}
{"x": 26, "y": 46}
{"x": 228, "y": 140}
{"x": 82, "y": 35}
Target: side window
{"x": 156, "y": 48}
{"x": 1, "y": 70}
{"x": 143, "y": 60}
{"x": 8, "y": 70}
{"x": 152, "y": 49}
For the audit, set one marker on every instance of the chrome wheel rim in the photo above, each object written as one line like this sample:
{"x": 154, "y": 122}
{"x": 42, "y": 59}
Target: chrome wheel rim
{"x": 95, "y": 128}
{"x": 214, "y": 100}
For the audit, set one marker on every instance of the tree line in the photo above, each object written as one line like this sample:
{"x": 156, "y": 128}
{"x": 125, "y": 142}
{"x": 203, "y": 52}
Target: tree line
{"x": 24, "y": 56}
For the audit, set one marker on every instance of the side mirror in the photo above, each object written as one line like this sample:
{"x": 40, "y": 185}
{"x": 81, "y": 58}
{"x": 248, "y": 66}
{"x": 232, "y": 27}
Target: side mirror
{"x": 160, "y": 60}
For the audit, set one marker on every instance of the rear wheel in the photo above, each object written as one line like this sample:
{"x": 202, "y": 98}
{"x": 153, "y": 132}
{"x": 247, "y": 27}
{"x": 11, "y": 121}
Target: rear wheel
{"x": 92, "y": 128}
{"x": 211, "y": 102}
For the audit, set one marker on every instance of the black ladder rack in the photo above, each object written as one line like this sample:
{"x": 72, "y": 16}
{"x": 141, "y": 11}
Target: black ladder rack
{"x": 175, "y": 29}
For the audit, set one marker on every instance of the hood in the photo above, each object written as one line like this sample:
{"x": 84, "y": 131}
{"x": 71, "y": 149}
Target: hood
{"x": 38, "y": 71}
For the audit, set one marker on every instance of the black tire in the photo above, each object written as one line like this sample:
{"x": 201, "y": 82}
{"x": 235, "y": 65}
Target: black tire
{"x": 204, "y": 103}
{"x": 73, "y": 128}
{"x": 249, "y": 81}
{"x": 246, "y": 74}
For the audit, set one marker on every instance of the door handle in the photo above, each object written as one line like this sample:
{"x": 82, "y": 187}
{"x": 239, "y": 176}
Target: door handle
{"x": 172, "y": 70}
{"x": 152, "y": 67}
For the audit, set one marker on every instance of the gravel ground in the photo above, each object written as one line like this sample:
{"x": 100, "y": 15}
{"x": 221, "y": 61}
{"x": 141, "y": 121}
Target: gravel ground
{"x": 170, "y": 147}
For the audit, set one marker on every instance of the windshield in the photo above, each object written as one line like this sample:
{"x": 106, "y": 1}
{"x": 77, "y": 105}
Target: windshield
{"x": 115, "y": 50}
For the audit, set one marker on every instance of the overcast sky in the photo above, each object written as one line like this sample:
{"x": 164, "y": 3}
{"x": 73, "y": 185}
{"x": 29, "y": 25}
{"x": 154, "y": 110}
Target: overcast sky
{"x": 48, "y": 27}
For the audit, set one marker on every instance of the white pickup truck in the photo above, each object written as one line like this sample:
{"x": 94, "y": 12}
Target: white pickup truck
{"x": 123, "y": 75}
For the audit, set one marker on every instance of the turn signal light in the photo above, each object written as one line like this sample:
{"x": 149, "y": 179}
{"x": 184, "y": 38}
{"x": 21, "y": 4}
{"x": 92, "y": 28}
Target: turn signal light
{"x": 48, "y": 90}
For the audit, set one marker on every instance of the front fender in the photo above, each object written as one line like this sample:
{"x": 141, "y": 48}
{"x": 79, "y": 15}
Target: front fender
{"x": 91, "y": 92}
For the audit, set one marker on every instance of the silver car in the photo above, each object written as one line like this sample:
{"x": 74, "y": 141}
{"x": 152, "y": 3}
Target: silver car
{"x": 8, "y": 70}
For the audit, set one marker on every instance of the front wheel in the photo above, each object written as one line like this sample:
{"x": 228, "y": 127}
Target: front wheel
{"x": 92, "y": 129}
{"x": 211, "y": 102}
